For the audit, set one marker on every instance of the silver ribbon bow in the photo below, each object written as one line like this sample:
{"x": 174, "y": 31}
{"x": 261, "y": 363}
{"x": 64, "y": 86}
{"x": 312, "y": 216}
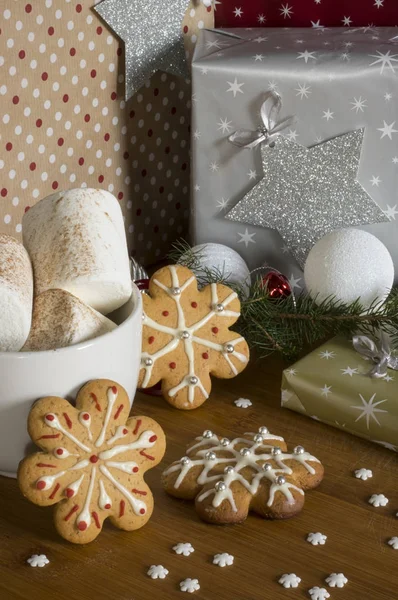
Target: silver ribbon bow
{"x": 271, "y": 127}
{"x": 382, "y": 355}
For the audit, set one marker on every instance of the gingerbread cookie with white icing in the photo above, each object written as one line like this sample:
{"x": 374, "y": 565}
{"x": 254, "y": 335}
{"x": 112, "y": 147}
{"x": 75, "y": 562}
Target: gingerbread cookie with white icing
{"x": 92, "y": 462}
{"x": 186, "y": 336}
{"x": 255, "y": 472}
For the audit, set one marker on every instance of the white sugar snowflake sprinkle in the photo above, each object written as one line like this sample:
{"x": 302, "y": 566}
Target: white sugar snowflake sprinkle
{"x": 184, "y": 548}
{"x": 290, "y": 580}
{"x": 378, "y": 500}
{"x": 189, "y": 585}
{"x": 393, "y": 542}
{"x": 223, "y": 560}
{"x": 243, "y": 403}
{"x": 157, "y": 572}
{"x": 336, "y": 580}
{"x": 318, "y": 593}
{"x": 317, "y": 539}
{"x": 363, "y": 474}
{"x": 38, "y": 560}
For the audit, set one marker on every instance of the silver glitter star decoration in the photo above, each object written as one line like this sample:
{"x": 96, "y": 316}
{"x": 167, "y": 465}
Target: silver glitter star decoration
{"x": 152, "y": 33}
{"x": 307, "y": 192}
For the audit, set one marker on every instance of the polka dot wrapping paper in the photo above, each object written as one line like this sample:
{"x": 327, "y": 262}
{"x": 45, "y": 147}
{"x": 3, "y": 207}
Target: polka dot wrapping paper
{"x": 64, "y": 122}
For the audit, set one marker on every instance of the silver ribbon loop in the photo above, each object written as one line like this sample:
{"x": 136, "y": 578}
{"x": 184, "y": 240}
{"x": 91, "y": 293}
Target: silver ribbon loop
{"x": 270, "y": 128}
{"x": 381, "y": 356}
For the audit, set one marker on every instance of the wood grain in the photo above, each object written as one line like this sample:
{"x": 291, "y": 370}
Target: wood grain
{"x": 114, "y": 567}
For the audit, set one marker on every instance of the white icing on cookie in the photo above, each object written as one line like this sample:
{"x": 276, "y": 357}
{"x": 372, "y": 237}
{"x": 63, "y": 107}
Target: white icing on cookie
{"x": 378, "y": 500}
{"x": 85, "y": 420}
{"x": 290, "y": 580}
{"x": 104, "y": 500}
{"x": 52, "y": 421}
{"x": 112, "y": 395}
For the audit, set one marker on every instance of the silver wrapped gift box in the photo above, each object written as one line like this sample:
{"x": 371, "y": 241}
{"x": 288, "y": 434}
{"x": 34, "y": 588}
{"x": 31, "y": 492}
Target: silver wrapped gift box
{"x": 330, "y": 82}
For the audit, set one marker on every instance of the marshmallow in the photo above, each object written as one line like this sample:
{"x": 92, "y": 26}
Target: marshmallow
{"x": 16, "y": 294}
{"x": 77, "y": 242}
{"x": 60, "y": 319}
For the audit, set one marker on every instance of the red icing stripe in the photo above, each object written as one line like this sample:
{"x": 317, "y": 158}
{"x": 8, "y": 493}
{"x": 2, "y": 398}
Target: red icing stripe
{"x": 139, "y": 492}
{"x": 137, "y": 426}
{"x": 147, "y": 455}
{"x": 121, "y": 510}
{"x": 44, "y": 465}
{"x": 96, "y": 519}
{"x": 50, "y": 436}
{"x": 70, "y": 513}
{"x": 119, "y": 410}
{"x": 95, "y": 400}
{"x": 68, "y": 421}
{"x": 54, "y": 491}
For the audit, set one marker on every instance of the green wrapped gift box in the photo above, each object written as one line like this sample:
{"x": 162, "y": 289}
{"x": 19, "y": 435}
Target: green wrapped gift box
{"x": 331, "y": 385}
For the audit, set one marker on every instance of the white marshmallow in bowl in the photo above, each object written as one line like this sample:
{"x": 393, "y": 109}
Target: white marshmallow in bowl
{"x": 16, "y": 294}
{"x": 60, "y": 319}
{"x": 77, "y": 242}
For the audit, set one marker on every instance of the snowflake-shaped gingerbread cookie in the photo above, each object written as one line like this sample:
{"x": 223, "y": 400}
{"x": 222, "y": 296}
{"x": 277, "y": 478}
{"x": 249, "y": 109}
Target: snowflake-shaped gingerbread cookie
{"x": 227, "y": 478}
{"x": 38, "y": 560}
{"x": 186, "y": 336}
{"x": 290, "y": 580}
{"x": 189, "y": 585}
{"x": 223, "y": 560}
{"x": 92, "y": 462}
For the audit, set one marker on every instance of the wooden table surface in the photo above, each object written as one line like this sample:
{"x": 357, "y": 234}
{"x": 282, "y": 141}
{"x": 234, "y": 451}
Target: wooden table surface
{"x": 114, "y": 566}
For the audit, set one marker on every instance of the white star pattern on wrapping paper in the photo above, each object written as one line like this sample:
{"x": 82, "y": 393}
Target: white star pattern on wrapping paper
{"x": 359, "y": 104}
{"x": 252, "y": 174}
{"x": 225, "y": 126}
{"x": 349, "y": 371}
{"x": 243, "y": 403}
{"x": 235, "y": 87}
{"x": 328, "y": 114}
{"x": 387, "y": 130}
{"x": 38, "y": 560}
{"x": 223, "y": 560}
{"x": 260, "y": 39}
{"x": 213, "y": 44}
{"x": 197, "y": 134}
{"x": 326, "y": 354}
{"x": 189, "y": 585}
{"x": 261, "y": 19}
{"x": 386, "y": 60}
{"x": 294, "y": 283}
{"x": 303, "y": 90}
{"x": 393, "y": 542}
{"x": 292, "y": 135}
{"x": 378, "y": 3}
{"x": 291, "y": 371}
{"x": 318, "y": 139}
{"x": 272, "y": 85}
{"x": 317, "y": 25}
{"x": 387, "y": 96}
{"x": 197, "y": 188}
{"x": 157, "y": 572}
{"x": 317, "y": 593}
{"x": 395, "y": 160}
{"x": 285, "y": 249}
{"x": 286, "y": 11}
{"x": 326, "y": 390}
{"x": 317, "y": 539}
{"x": 345, "y": 56}
{"x": 348, "y": 44}
{"x": 214, "y": 167}
{"x": 204, "y": 70}
{"x": 238, "y": 12}
{"x": 246, "y": 238}
{"x": 388, "y": 378}
{"x": 290, "y": 580}
{"x": 258, "y": 57}
{"x": 306, "y": 55}
{"x": 317, "y": 1}
{"x": 363, "y": 474}
{"x": 336, "y": 580}
{"x": 369, "y": 409}
{"x": 223, "y": 203}
{"x": 347, "y": 21}
{"x": 184, "y": 548}
{"x": 378, "y": 500}
{"x": 285, "y": 396}
{"x": 375, "y": 180}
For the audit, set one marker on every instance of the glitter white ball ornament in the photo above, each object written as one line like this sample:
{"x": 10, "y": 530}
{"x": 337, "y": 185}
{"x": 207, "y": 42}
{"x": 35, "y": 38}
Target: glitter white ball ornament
{"x": 349, "y": 264}
{"x": 224, "y": 259}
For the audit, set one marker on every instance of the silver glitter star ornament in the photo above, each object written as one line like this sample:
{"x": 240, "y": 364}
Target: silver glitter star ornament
{"x": 152, "y": 33}
{"x": 307, "y": 192}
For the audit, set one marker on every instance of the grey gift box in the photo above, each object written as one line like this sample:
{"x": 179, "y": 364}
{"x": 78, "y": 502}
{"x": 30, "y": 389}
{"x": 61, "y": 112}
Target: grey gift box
{"x": 332, "y": 81}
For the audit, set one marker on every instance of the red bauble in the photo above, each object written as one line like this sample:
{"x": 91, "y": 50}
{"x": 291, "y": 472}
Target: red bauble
{"x": 142, "y": 284}
{"x": 277, "y": 285}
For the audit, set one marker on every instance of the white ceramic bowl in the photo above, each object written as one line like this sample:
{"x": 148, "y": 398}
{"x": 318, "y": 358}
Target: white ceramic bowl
{"x": 28, "y": 376}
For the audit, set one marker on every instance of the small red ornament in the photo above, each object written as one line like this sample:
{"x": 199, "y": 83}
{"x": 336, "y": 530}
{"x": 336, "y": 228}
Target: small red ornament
{"x": 277, "y": 285}
{"x": 142, "y": 284}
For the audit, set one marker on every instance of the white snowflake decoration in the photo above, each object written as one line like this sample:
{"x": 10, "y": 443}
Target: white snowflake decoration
{"x": 393, "y": 542}
{"x": 243, "y": 403}
{"x": 189, "y": 585}
{"x": 318, "y": 593}
{"x": 363, "y": 474}
{"x": 38, "y": 560}
{"x": 336, "y": 580}
{"x": 317, "y": 539}
{"x": 157, "y": 572}
{"x": 378, "y": 500}
{"x": 184, "y": 548}
{"x": 290, "y": 580}
{"x": 223, "y": 560}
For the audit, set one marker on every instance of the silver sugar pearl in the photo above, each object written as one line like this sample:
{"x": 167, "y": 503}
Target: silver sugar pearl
{"x": 210, "y": 456}
{"x": 207, "y": 434}
{"x": 258, "y": 438}
{"x": 143, "y": 316}
{"x": 219, "y": 307}
{"x": 228, "y": 470}
{"x": 245, "y": 451}
{"x": 276, "y": 450}
{"x": 220, "y": 486}
{"x": 176, "y": 291}
{"x": 224, "y": 441}
{"x": 299, "y": 450}
{"x": 267, "y": 467}
{"x": 228, "y": 348}
{"x": 185, "y": 460}
{"x": 263, "y": 430}
{"x": 193, "y": 380}
{"x": 280, "y": 480}
{"x": 185, "y": 335}
{"x": 148, "y": 362}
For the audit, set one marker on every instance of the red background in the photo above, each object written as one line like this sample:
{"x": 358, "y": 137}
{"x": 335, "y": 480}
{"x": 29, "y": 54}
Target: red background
{"x": 330, "y": 13}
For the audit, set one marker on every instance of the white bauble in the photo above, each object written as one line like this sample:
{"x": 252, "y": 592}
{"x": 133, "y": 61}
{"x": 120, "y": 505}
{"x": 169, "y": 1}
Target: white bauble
{"x": 349, "y": 264}
{"x": 224, "y": 259}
